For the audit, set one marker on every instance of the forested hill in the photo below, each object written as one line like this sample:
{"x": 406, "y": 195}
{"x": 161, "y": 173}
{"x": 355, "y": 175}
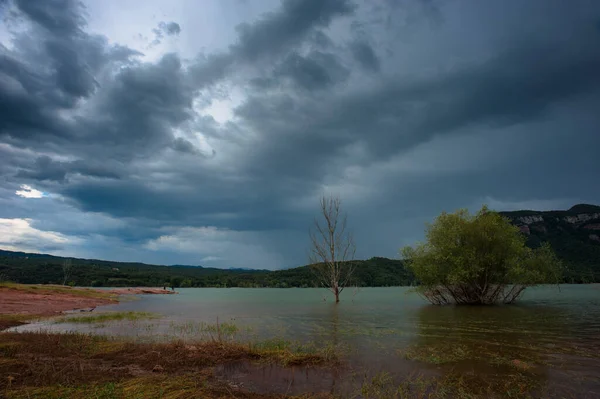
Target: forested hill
{"x": 45, "y": 269}
{"x": 574, "y": 235}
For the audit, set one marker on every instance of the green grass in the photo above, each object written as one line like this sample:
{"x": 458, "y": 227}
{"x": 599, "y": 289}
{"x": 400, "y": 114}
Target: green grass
{"x": 89, "y": 366}
{"x": 205, "y": 329}
{"x": 106, "y": 317}
{"x": 439, "y": 354}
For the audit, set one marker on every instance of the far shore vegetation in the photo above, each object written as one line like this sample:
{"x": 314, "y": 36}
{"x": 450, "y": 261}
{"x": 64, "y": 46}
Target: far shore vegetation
{"x": 571, "y": 243}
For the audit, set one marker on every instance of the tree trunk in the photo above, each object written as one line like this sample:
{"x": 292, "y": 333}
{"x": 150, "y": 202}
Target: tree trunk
{"x": 337, "y": 294}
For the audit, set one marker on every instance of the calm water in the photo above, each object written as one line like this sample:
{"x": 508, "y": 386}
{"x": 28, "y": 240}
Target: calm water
{"x": 554, "y": 334}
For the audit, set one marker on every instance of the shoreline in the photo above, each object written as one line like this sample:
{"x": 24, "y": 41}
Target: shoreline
{"x": 138, "y": 291}
{"x": 21, "y": 303}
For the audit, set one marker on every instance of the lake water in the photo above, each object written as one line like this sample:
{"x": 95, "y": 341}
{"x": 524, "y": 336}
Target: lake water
{"x": 552, "y": 335}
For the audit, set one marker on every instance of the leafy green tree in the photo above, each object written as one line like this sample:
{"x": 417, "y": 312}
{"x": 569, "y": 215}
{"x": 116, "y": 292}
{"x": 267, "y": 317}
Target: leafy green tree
{"x": 478, "y": 259}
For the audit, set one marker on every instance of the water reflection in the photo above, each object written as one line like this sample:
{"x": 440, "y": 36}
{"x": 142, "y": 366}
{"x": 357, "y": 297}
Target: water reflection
{"x": 507, "y": 349}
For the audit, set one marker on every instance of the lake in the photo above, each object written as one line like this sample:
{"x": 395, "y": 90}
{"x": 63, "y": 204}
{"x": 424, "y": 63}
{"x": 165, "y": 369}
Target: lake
{"x": 552, "y": 336}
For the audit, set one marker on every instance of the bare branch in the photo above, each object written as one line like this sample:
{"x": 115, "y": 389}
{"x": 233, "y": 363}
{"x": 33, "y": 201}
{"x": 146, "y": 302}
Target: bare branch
{"x": 332, "y": 248}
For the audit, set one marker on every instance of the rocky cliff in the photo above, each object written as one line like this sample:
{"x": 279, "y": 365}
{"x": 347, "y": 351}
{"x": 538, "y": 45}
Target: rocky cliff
{"x": 574, "y": 234}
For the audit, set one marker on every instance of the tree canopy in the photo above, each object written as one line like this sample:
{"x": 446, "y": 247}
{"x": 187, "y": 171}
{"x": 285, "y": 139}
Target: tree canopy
{"x": 478, "y": 259}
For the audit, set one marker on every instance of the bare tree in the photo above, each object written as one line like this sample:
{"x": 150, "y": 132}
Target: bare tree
{"x": 333, "y": 249}
{"x": 66, "y": 267}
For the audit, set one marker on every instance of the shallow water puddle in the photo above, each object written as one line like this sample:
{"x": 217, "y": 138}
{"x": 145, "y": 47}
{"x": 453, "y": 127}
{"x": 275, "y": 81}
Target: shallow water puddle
{"x": 274, "y": 378}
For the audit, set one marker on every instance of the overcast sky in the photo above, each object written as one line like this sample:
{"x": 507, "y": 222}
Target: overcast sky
{"x": 204, "y": 132}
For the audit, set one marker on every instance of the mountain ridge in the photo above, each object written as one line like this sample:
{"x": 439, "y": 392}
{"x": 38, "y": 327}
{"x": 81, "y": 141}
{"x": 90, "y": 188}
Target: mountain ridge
{"x": 574, "y": 234}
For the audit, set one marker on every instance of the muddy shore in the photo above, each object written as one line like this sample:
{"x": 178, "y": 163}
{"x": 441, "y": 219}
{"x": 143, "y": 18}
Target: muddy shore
{"x": 139, "y": 291}
{"x": 18, "y": 303}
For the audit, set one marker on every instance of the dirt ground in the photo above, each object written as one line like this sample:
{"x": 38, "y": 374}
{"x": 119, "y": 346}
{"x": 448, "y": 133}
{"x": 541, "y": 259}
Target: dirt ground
{"x": 20, "y": 303}
{"x": 44, "y": 303}
{"x": 47, "y": 302}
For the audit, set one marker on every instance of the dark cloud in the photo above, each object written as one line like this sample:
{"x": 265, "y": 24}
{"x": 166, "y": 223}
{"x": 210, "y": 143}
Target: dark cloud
{"x": 177, "y": 207}
{"x": 315, "y": 71}
{"x": 62, "y": 18}
{"x": 400, "y": 118}
{"x": 287, "y": 27}
{"x": 140, "y": 107}
{"x": 172, "y": 28}
{"x": 365, "y": 55}
{"x": 210, "y": 69}
{"x": 44, "y": 168}
{"x": 31, "y": 97}
{"x": 320, "y": 40}
{"x": 164, "y": 29}
{"x": 182, "y": 145}
{"x": 512, "y": 87}
{"x": 275, "y": 33}
{"x": 73, "y": 76}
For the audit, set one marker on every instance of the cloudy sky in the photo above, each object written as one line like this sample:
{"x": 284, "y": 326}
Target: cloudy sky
{"x": 204, "y": 132}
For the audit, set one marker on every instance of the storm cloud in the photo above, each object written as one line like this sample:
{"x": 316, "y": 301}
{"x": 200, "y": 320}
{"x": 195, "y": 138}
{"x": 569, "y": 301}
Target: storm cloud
{"x": 212, "y": 143}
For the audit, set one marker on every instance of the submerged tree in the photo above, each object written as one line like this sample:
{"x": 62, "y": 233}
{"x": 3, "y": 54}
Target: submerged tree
{"x": 332, "y": 248}
{"x": 478, "y": 259}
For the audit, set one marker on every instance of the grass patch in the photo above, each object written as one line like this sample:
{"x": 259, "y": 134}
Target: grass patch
{"x": 58, "y": 289}
{"x": 192, "y": 386}
{"x": 438, "y": 354}
{"x": 455, "y": 384}
{"x": 294, "y": 352}
{"x": 106, "y": 317}
{"x": 213, "y": 332}
{"x": 74, "y": 365}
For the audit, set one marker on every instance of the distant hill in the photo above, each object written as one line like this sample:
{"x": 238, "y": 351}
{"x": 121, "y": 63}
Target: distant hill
{"x": 30, "y": 268}
{"x": 574, "y": 234}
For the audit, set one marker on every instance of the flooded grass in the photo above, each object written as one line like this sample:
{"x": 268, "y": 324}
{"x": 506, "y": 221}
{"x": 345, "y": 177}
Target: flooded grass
{"x": 77, "y": 363}
{"x": 107, "y": 317}
{"x": 192, "y": 386}
{"x": 454, "y": 384}
{"x": 74, "y": 365}
{"x": 201, "y": 330}
{"x": 295, "y": 353}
